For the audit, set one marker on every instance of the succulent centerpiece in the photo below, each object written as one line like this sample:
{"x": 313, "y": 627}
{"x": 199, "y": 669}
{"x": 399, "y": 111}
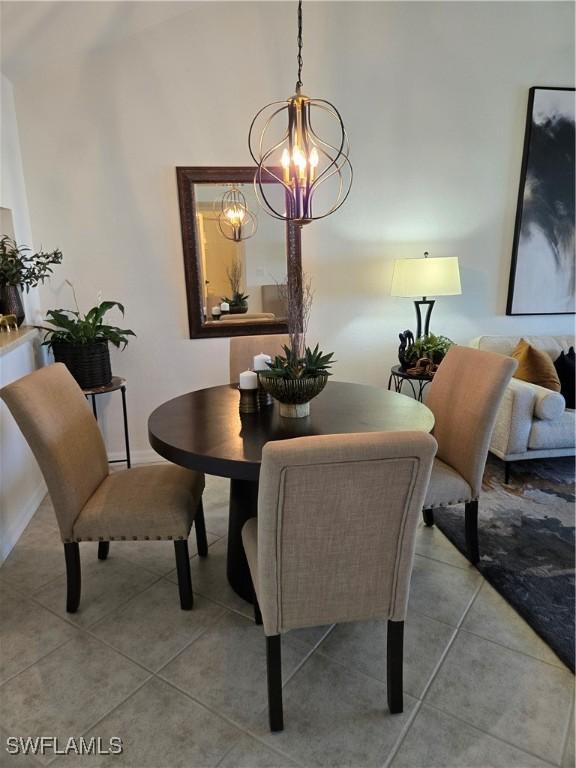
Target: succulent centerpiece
{"x": 300, "y": 374}
{"x": 239, "y": 300}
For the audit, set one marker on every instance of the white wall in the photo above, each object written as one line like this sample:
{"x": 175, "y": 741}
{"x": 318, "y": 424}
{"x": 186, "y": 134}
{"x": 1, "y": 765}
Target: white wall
{"x": 22, "y": 487}
{"x": 433, "y": 96}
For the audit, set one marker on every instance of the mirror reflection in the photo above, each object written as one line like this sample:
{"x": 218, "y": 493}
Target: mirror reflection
{"x": 241, "y": 254}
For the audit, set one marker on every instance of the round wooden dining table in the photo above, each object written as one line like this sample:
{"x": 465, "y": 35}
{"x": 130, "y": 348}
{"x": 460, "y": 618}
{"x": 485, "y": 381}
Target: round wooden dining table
{"x": 205, "y": 431}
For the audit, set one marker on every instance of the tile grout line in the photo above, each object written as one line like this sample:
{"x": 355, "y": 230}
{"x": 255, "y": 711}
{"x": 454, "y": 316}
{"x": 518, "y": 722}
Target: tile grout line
{"x": 109, "y": 712}
{"x": 435, "y": 671}
{"x": 491, "y": 735}
{"x": 466, "y": 568}
{"x": 561, "y": 666}
{"x": 450, "y": 714}
{"x": 238, "y": 726}
{"x": 402, "y": 735}
{"x": 568, "y": 728}
{"x": 109, "y": 613}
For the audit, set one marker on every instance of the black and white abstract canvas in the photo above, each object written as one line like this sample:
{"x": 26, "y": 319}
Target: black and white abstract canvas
{"x": 543, "y": 272}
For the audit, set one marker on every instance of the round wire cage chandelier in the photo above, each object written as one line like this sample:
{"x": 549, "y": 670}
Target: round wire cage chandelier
{"x": 235, "y": 220}
{"x": 300, "y": 160}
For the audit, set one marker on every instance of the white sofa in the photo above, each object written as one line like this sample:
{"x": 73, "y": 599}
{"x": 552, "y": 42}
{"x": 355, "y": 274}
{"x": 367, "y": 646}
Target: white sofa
{"x": 533, "y": 422}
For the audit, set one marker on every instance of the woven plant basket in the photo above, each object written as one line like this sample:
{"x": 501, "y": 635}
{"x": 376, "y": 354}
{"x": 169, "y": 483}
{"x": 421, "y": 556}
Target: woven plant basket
{"x": 294, "y": 395}
{"x": 88, "y": 363}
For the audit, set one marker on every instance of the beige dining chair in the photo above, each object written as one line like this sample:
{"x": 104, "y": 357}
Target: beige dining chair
{"x": 334, "y": 539}
{"x": 464, "y": 397}
{"x": 243, "y": 350}
{"x": 152, "y": 502}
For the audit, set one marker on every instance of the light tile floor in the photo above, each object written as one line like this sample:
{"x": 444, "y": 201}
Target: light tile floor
{"x": 189, "y": 688}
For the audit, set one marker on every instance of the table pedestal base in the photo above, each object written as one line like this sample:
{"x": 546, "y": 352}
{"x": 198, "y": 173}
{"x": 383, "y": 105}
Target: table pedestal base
{"x": 243, "y": 506}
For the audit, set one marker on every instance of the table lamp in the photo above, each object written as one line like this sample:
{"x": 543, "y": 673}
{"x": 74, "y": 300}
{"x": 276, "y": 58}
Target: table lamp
{"x": 425, "y": 277}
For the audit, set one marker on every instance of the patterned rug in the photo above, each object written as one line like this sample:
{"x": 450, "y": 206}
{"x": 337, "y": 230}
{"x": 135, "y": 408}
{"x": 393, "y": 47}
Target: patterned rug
{"x": 526, "y": 535}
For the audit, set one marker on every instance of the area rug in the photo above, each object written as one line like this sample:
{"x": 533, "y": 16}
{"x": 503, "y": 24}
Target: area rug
{"x": 526, "y": 535}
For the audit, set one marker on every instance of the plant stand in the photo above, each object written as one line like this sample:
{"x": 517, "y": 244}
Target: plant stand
{"x": 116, "y": 384}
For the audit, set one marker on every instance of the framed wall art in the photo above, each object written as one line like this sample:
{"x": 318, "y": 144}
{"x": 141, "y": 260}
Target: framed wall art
{"x": 543, "y": 269}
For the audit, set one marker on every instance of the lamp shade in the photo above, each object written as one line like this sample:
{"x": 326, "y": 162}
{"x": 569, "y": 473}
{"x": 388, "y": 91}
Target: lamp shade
{"x": 426, "y": 277}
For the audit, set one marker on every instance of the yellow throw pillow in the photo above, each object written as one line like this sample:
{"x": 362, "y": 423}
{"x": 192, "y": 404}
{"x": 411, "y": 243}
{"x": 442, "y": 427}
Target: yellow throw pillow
{"x": 535, "y": 366}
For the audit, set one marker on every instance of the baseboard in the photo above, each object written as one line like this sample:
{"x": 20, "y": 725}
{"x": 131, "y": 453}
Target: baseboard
{"x": 11, "y": 536}
{"x": 148, "y": 456}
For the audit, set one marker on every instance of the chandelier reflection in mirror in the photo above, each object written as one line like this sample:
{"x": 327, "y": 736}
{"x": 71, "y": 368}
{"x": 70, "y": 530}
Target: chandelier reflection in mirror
{"x": 235, "y": 220}
{"x": 315, "y": 173}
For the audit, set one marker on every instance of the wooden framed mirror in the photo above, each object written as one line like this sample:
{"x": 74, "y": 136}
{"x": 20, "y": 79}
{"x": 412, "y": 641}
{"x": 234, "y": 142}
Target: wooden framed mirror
{"x": 260, "y": 258}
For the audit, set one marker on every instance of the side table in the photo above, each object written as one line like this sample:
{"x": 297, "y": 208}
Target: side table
{"x": 116, "y": 384}
{"x": 417, "y": 382}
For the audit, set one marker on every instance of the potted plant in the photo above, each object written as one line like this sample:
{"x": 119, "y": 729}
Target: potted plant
{"x": 20, "y": 269}
{"x": 300, "y": 374}
{"x": 432, "y": 347}
{"x": 81, "y": 342}
{"x": 239, "y": 301}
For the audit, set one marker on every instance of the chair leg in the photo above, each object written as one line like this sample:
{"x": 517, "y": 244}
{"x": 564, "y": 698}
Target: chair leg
{"x": 274, "y": 671}
{"x": 507, "y": 467}
{"x": 471, "y": 530}
{"x": 73, "y": 576}
{"x": 103, "y": 549}
{"x": 200, "y": 526}
{"x": 428, "y": 517}
{"x": 394, "y": 666}
{"x": 184, "y": 575}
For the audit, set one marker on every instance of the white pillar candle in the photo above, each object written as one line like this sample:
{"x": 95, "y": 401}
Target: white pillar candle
{"x": 248, "y": 380}
{"x": 225, "y": 307}
{"x": 260, "y": 362}
{"x": 216, "y": 311}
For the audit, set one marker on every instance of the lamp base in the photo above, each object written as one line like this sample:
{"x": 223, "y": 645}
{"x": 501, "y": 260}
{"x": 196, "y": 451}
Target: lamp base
{"x": 429, "y": 304}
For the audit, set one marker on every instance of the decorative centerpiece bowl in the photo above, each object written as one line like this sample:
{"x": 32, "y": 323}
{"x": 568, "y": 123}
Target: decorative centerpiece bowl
{"x": 293, "y": 395}
{"x": 296, "y": 377}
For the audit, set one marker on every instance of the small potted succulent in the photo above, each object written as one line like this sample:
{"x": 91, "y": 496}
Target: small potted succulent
{"x": 20, "y": 269}
{"x": 81, "y": 342}
{"x": 300, "y": 374}
{"x": 239, "y": 301}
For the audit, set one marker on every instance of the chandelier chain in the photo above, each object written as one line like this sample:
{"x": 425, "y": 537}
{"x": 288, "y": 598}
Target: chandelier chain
{"x": 300, "y": 62}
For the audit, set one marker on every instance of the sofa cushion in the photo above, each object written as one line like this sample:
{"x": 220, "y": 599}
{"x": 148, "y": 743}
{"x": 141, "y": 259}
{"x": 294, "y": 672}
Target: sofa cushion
{"x": 552, "y": 345}
{"x": 535, "y": 366}
{"x": 565, "y": 369}
{"x": 553, "y": 434}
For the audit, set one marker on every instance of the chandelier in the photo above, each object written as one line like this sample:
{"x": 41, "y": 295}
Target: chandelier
{"x": 235, "y": 220}
{"x": 315, "y": 173}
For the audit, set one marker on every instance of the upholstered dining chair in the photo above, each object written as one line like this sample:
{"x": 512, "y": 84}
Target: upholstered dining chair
{"x": 152, "y": 502}
{"x": 334, "y": 539}
{"x": 464, "y": 396}
{"x": 243, "y": 350}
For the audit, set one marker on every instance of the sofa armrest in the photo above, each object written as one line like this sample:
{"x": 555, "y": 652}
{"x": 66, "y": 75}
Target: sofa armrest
{"x": 514, "y": 419}
{"x": 548, "y": 405}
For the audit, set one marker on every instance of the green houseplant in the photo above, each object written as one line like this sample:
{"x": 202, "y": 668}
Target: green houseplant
{"x": 430, "y": 346}
{"x": 300, "y": 374}
{"x": 20, "y": 269}
{"x": 81, "y": 342}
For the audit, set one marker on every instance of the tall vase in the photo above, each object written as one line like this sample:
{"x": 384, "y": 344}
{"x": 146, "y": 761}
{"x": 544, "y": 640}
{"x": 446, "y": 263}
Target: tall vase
{"x": 11, "y": 302}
